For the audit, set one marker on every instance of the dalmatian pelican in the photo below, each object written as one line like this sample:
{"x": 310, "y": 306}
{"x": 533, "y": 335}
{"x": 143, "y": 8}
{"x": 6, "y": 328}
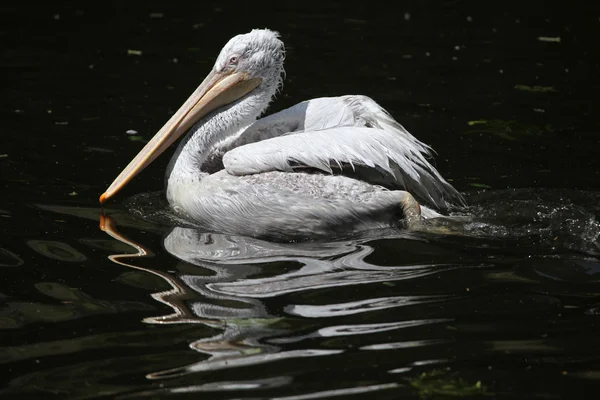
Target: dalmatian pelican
{"x": 324, "y": 167}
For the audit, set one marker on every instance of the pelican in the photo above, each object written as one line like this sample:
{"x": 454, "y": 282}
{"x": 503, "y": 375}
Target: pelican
{"x": 324, "y": 167}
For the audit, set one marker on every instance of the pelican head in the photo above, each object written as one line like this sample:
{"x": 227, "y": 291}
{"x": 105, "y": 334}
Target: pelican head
{"x": 259, "y": 53}
{"x": 249, "y": 67}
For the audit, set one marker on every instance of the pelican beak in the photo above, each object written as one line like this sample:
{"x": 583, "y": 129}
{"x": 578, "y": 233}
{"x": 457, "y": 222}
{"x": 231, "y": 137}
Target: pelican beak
{"x": 217, "y": 89}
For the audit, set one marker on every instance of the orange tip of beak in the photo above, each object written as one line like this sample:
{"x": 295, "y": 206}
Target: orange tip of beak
{"x": 102, "y": 223}
{"x": 102, "y": 198}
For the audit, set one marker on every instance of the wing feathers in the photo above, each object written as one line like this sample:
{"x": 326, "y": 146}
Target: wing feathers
{"x": 373, "y": 148}
{"x": 336, "y": 133}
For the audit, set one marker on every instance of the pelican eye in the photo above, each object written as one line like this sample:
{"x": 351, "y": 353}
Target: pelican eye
{"x": 233, "y": 60}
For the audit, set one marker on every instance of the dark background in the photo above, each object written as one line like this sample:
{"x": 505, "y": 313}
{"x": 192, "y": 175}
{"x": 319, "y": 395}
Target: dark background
{"x": 513, "y": 118}
{"x": 69, "y": 83}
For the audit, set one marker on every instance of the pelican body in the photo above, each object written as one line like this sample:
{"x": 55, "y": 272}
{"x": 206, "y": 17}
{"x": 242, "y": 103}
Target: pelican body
{"x": 323, "y": 167}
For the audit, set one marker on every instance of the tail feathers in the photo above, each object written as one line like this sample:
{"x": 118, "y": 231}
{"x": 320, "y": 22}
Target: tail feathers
{"x": 430, "y": 186}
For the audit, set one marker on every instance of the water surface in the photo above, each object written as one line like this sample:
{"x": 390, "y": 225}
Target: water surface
{"x": 504, "y": 302}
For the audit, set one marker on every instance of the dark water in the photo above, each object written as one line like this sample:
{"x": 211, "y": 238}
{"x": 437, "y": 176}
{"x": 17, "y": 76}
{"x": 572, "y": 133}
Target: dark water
{"x": 503, "y": 303}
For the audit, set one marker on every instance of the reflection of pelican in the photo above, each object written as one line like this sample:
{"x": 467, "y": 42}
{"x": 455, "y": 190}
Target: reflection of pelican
{"x": 277, "y": 171}
{"x": 224, "y": 280}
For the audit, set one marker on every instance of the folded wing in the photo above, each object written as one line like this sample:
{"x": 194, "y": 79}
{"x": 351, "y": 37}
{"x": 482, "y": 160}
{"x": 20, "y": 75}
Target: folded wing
{"x": 400, "y": 158}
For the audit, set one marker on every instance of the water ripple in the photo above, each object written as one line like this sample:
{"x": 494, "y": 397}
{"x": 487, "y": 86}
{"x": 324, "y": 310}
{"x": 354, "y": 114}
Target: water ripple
{"x": 327, "y": 394}
{"x": 361, "y": 306}
{"x": 245, "y": 360}
{"x": 312, "y": 277}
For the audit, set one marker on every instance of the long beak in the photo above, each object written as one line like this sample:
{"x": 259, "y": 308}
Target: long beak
{"x": 217, "y": 90}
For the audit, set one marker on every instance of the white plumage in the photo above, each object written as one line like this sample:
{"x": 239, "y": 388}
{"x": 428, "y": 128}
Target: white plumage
{"x": 334, "y": 132}
{"x": 324, "y": 166}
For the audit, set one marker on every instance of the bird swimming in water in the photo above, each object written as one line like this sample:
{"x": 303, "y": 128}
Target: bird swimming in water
{"x": 324, "y": 167}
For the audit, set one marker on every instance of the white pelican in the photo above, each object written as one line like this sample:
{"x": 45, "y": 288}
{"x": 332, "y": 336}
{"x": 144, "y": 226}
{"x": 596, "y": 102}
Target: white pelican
{"x": 323, "y": 167}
